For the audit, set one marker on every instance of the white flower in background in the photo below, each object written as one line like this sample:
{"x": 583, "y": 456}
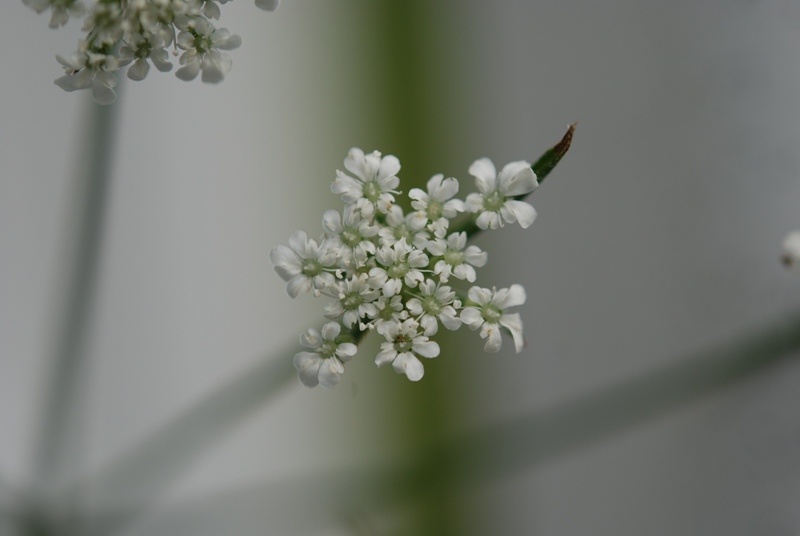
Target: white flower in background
{"x": 62, "y": 9}
{"x": 354, "y": 297}
{"x": 437, "y": 206}
{"x": 375, "y": 182}
{"x": 487, "y": 312}
{"x": 791, "y": 251}
{"x": 403, "y": 344}
{"x": 268, "y": 5}
{"x": 435, "y": 302}
{"x": 202, "y": 43}
{"x": 401, "y": 264}
{"x": 131, "y": 32}
{"x": 457, "y": 259}
{"x": 88, "y": 69}
{"x": 305, "y": 265}
{"x": 325, "y": 362}
{"x": 495, "y": 204}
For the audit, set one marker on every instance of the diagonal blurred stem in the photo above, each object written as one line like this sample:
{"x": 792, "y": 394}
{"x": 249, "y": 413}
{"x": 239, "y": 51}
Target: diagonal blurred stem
{"x": 59, "y": 425}
{"x": 310, "y": 504}
{"x": 137, "y": 479}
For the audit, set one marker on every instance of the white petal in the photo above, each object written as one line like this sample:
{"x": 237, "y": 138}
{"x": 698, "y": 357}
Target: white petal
{"x": 485, "y": 175}
{"x": 386, "y": 356}
{"x": 331, "y": 330}
{"x": 425, "y": 349}
{"x": 523, "y": 212}
{"x": 491, "y": 332}
{"x": 307, "y": 365}
{"x": 513, "y": 323}
{"x": 406, "y": 363}
{"x": 298, "y": 284}
{"x": 139, "y": 69}
{"x": 329, "y": 372}
{"x": 517, "y": 178}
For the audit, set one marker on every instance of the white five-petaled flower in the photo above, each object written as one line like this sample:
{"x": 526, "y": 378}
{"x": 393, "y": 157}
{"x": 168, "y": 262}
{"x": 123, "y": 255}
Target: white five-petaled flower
{"x": 202, "y": 44}
{"x": 374, "y": 183}
{"x": 85, "y": 68}
{"x": 351, "y": 234}
{"x": 306, "y": 265}
{"x": 403, "y": 344}
{"x": 401, "y": 264}
{"x": 435, "y": 301}
{"x": 389, "y": 311}
{"x": 325, "y": 362}
{"x": 138, "y": 50}
{"x": 399, "y": 226}
{"x": 353, "y": 299}
{"x": 487, "y": 312}
{"x": 437, "y": 206}
{"x": 791, "y": 251}
{"x": 457, "y": 259}
{"x": 495, "y": 204}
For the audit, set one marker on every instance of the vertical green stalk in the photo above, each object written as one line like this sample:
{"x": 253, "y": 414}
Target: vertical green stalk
{"x": 411, "y": 105}
{"x": 58, "y": 441}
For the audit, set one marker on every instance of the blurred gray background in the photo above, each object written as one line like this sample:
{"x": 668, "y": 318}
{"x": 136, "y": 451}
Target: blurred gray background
{"x": 658, "y": 238}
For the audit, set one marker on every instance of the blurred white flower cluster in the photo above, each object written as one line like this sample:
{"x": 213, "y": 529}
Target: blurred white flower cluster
{"x": 136, "y": 32}
{"x": 391, "y": 272}
{"x": 791, "y": 251}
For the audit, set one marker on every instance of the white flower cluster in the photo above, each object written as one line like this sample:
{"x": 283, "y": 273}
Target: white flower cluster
{"x": 391, "y": 272}
{"x": 131, "y": 32}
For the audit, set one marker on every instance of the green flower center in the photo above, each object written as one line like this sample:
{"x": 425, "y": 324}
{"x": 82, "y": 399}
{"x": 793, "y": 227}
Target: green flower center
{"x": 491, "y": 314}
{"x": 435, "y": 209}
{"x": 493, "y": 202}
{"x": 312, "y": 268}
{"x": 431, "y": 306}
{"x": 401, "y": 344}
{"x": 371, "y": 191}
{"x": 453, "y": 258}
{"x": 352, "y": 300}
{"x": 398, "y": 270}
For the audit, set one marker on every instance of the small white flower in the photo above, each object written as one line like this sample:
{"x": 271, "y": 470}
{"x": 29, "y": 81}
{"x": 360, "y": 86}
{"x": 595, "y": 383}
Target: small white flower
{"x": 305, "y": 265}
{"x": 105, "y": 22}
{"x": 436, "y": 206}
{"x": 457, "y": 258}
{"x": 351, "y": 234}
{"x": 399, "y": 226}
{"x": 401, "y": 263}
{"x": 87, "y": 69}
{"x": 62, "y": 9}
{"x": 403, "y": 344}
{"x": 325, "y": 362}
{"x": 375, "y": 182}
{"x": 791, "y": 251}
{"x": 390, "y": 310}
{"x": 354, "y": 297}
{"x": 435, "y": 302}
{"x": 495, "y": 201}
{"x": 202, "y": 43}
{"x": 487, "y": 312}
{"x": 137, "y": 50}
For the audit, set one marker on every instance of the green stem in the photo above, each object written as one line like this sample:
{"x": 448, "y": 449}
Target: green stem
{"x": 88, "y": 211}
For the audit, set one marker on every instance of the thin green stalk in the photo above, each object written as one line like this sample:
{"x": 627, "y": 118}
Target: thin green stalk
{"x": 59, "y": 435}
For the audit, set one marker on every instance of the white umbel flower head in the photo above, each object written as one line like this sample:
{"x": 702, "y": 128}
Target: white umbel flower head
{"x": 791, "y": 251}
{"x": 487, "y": 312}
{"x": 374, "y": 183}
{"x": 403, "y": 344}
{"x": 202, "y": 43}
{"x": 305, "y": 265}
{"x": 494, "y": 203}
{"x": 325, "y": 362}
